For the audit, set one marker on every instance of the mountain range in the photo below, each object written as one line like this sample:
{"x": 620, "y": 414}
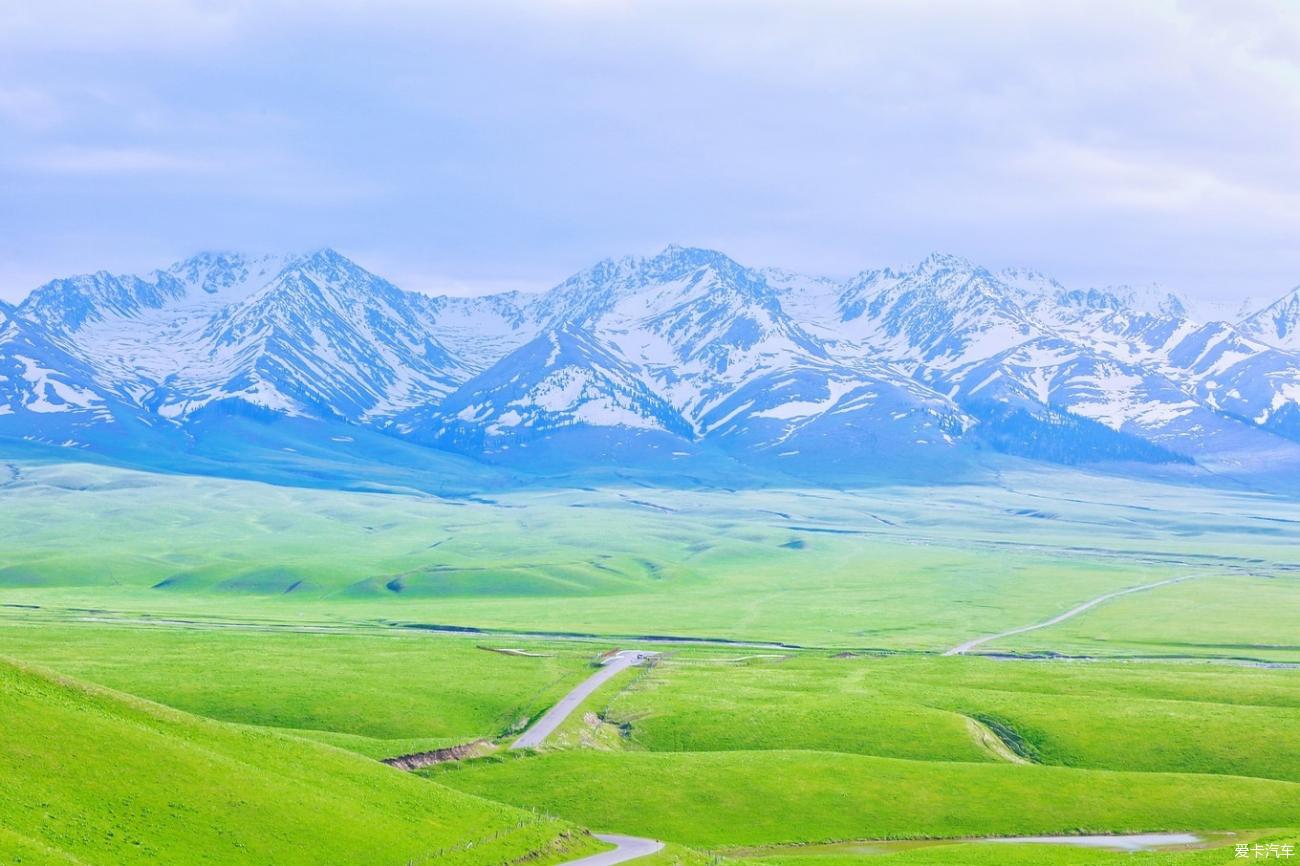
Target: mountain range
{"x": 680, "y": 361}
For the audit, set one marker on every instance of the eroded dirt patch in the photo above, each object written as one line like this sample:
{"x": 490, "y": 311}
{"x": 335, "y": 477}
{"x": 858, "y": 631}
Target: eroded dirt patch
{"x": 415, "y": 761}
{"x": 1001, "y": 740}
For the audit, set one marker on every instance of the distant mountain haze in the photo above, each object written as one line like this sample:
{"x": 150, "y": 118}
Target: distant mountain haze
{"x": 655, "y": 360}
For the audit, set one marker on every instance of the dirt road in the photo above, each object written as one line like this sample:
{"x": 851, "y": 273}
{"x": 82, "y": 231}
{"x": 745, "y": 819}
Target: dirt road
{"x": 962, "y": 649}
{"x": 629, "y": 848}
{"x": 546, "y": 725}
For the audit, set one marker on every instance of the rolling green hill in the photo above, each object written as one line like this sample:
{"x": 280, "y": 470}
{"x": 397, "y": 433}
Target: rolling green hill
{"x": 713, "y": 799}
{"x": 382, "y": 694}
{"x": 301, "y": 628}
{"x": 96, "y": 777}
{"x": 896, "y": 567}
{"x": 1219, "y": 719}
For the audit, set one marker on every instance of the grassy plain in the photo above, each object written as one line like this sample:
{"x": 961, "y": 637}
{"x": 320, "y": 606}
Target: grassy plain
{"x": 719, "y": 750}
{"x": 281, "y": 623}
{"x": 718, "y": 799}
{"x": 1221, "y": 852}
{"x": 1232, "y": 616}
{"x": 92, "y": 776}
{"x": 901, "y": 568}
{"x": 381, "y": 694}
{"x": 1171, "y": 717}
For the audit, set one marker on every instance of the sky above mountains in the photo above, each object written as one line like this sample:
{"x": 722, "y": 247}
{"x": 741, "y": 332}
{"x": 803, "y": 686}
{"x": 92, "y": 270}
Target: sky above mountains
{"x": 467, "y": 148}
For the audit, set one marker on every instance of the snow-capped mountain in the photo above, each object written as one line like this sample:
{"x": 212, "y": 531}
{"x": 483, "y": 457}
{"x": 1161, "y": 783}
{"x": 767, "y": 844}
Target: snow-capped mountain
{"x": 484, "y": 329}
{"x": 690, "y": 344}
{"x": 560, "y": 386}
{"x": 698, "y": 325}
{"x": 325, "y": 337}
{"x": 1278, "y": 324}
{"x": 675, "y": 355}
{"x": 49, "y": 395}
{"x": 1118, "y": 357}
{"x": 311, "y": 334}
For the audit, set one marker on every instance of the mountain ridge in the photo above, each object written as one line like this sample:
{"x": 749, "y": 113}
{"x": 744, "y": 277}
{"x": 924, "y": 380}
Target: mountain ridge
{"x": 679, "y": 353}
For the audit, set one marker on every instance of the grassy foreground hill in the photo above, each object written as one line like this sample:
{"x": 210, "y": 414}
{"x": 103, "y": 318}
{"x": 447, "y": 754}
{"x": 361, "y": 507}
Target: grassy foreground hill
{"x": 380, "y": 694}
{"x": 1217, "y": 719}
{"x": 94, "y": 776}
{"x": 720, "y": 799}
{"x": 293, "y": 637}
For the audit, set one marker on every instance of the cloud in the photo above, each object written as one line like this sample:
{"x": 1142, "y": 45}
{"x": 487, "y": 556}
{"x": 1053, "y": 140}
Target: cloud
{"x": 1114, "y": 180}
{"x": 29, "y": 109}
{"x": 498, "y": 142}
{"x": 120, "y": 160}
{"x": 124, "y": 25}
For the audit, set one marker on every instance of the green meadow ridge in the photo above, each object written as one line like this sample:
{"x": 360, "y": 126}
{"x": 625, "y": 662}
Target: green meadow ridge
{"x": 234, "y": 660}
{"x": 97, "y": 776}
{"x": 720, "y": 799}
{"x": 900, "y": 568}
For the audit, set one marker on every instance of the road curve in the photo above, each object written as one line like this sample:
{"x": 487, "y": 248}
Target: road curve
{"x": 546, "y": 725}
{"x": 628, "y": 848}
{"x": 962, "y": 649}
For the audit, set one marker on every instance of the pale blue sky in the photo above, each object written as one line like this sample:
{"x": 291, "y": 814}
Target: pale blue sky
{"x": 476, "y": 146}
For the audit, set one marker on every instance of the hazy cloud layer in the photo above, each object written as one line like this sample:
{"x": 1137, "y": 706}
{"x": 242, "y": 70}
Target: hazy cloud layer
{"x": 465, "y": 149}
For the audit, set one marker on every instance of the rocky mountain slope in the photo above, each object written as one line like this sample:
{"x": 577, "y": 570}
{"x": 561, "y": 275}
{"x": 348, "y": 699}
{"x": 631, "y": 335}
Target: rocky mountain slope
{"x": 660, "y": 358}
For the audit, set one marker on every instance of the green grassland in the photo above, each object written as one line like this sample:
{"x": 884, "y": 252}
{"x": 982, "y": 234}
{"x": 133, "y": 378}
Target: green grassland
{"x": 1232, "y": 616}
{"x": 380, "y": 694}
{"x": 902, "y": 568}
{"x": 284, "y": 635}
{"x": 1159, "y": 717}
{"x": 718, "y": 799}
{"x": 718, "y": 747}
{"x": 796, "y": 702}
{"x": 720, "y": 752}
{"x": 951, "y": 853}
{"x": 92, "y": 776}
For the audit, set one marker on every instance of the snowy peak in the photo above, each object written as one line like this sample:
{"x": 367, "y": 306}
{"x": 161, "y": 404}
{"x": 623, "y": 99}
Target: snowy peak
{"x": 479, "y": 331}
{"x": 943, "y": 312}
{"x": 1278, "y": 324}
{"x": 228, "y": 276}
{"x": 1149, "y": 301}
{"x": 37, "y": 379}
{"x": 684, "y": 349}
{"x": 331, "y": 283}
{"x": 327, "y": 336}
{"x": 1152, "y": 300}
{"x": 806, "y": 298}
{"x": 1035, "y": 290}
{"x": 699, "y": 325}
{"x": 939, "y": 278}
{"x": 1131, "y": 324}
{"x": 676, "y": 262}
{"x": 201, "y": 282}
{"x": 717, "y": 313}
{"x": 564, "y": 380}
{"x": 591, "y": 293}
{"x": 939, "y": 263}
{"x": 1031, "y": 282}
{"x": 66, "y": 305}
{"x": 312, "y": 334}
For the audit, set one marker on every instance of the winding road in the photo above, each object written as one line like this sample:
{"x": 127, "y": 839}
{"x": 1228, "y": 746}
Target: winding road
{"x": 628, "y": 848}
{"x": 625, "y": 847}
{"x": 962, "y": 649}
{"x": 546, "y": 725}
